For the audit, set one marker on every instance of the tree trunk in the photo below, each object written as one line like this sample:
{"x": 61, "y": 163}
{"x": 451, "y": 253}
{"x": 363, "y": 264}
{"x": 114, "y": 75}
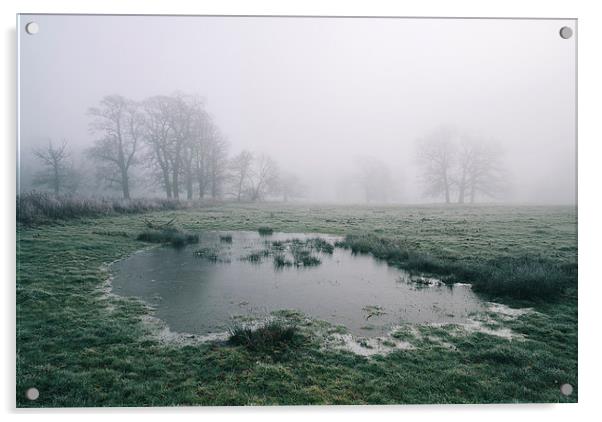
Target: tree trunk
{"x": 57, "y": 182}
{"x": 472, "y": 189}
{"x": 125, "y": 184}
{"x": 239, "y": 190}
{"x": 213, "y": 188}
{"x": 189, "y": 187}
{"x": 447, "y": 199}
{"x": 175, "y": 185}
{"x": 166, "y": 183}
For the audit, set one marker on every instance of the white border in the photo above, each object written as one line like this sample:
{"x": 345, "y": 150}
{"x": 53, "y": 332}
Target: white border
{"x": 590, "y": 212}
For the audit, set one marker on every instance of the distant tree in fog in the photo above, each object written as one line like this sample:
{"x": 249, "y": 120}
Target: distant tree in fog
{"x": 452, "y": 161}
{"x": 218, "y": 164}
{"x": 264, "y": 178}
{"x": 185, "y": 147}
{"x": 118, "y": 121}
{"x": 240, "y": 168}
{"x": 157, "y": 134}
{"x": 57, "y": 173}
{"x": 436, "y": 156}
{"x": 374, "y": 179}
{"x": 201, "y": 152}
{"x": 289, "y": 186}
{"x": 182, "y": 113}
{"x": 181, "y": 148}
{"x": 479, "y": 169}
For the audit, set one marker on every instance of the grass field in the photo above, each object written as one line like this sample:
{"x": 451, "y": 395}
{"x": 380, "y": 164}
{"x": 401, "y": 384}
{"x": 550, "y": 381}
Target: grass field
{"x": 81, "y": 347}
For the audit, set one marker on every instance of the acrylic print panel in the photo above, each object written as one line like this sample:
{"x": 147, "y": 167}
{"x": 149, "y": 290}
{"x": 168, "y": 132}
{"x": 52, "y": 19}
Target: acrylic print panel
{"x": 281, "y": 210}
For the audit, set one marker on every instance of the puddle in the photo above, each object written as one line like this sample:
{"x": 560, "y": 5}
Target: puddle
{"x": 201, "y": 289}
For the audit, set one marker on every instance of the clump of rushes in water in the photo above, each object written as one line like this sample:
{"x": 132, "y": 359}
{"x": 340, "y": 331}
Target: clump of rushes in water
{"x": 271, "y": 337}
{"x": 321, "y": 245}
{"x": 211, "y": 254}
{"x": 226, "y": 238}
{"x": 256, "y": 256}
{"x": 303, "y": 257}
{"x": 265, "y": 231}
{"x": 280, "y": 261}
{"x": 170, "y": 235}
{"x": 278, "y": 245}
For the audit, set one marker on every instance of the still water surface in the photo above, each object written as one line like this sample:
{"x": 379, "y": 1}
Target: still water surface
{"x": 198, "y": 295}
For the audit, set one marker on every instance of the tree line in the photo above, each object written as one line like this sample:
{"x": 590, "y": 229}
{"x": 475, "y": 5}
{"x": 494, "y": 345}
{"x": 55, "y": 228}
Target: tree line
{"x": 179, "y": 147}
{"x": 176, "y": 141}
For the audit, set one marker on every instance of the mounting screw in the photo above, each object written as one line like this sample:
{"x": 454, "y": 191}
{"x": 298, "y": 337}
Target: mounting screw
{"x": 566, "y": 32}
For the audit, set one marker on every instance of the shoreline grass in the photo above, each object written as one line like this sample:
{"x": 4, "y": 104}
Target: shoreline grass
{"x": 172, "y": 236}
{"x": 529, "y": 277}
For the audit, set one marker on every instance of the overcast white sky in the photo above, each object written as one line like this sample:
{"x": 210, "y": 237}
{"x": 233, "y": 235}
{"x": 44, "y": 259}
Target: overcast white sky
{"x": 315, "y": 93}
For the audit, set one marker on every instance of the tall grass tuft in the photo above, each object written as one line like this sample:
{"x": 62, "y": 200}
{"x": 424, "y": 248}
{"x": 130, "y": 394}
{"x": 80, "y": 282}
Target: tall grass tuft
{"x": 42, "y": 207}
{"x": 171, "y": 235}
{"x": 271, "y": 337}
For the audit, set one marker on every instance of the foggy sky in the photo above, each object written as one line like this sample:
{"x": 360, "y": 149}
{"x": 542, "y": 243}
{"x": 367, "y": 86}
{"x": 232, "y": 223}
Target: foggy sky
{"x": 317, "y": 93}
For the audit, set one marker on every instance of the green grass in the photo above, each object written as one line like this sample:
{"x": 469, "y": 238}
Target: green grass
{"x": 80, "y": 347}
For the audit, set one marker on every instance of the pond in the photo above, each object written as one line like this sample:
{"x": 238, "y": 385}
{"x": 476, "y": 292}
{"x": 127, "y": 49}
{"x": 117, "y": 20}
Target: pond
{"x": 200, "y": 288}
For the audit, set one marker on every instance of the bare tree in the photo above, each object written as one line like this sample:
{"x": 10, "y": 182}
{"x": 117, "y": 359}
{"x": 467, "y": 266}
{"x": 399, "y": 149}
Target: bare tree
{"x": 240, "y": 168}
{"x": 158, "y": 137}
{"x": 436, "y": 155}
{"x": 182, "y": 114}
{"x": 374, "y": 179}
{"x": 467, "y": 156}
{"x": 485, "y": 174}
{"x": 263, "y": 178}
{"x": 217, "y": 163}
{"x": 119, "y": 123}
{"x": 57, "y": 171}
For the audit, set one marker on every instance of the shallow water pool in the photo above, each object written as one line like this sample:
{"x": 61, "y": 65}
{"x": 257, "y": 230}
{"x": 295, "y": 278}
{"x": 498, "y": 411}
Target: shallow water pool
{"x": 203, "y": 288}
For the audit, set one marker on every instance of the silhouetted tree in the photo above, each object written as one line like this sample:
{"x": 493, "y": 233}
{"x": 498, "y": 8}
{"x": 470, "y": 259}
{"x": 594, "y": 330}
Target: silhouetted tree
{"x": 480, "y": 169}
{"x": 119, "y": 123}
{"x": 57, "y": 171}
{"x": 158, "y": 138}
{"x": 264, "y": 177}
{"x": 436, "y": 155}
{"x": 182, "y": 113}
{"x": 240, "y": 168}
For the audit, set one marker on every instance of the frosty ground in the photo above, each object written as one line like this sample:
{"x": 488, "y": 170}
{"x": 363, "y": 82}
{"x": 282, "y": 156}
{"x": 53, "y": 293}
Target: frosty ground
{"x": 80, "y": 346}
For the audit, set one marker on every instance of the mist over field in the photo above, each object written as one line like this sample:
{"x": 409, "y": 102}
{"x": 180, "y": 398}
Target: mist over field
{"x": 279, "y": 211}
{"x": 352, "y": 110}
